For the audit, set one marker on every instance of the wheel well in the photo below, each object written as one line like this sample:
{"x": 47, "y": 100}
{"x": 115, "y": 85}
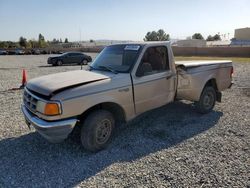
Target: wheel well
{"x": 114, "y": 108}
{"x": 212, "y": 83}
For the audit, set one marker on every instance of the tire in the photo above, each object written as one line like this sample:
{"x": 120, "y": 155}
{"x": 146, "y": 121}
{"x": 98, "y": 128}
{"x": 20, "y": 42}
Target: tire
{"x": 207, "y": 100}
{"x": 97, "y": 130}
{"x": 59, "y": 63}
{"x": 84, "y": 62}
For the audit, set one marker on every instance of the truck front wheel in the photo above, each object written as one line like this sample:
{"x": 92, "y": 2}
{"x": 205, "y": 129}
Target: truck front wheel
{"x": 97, "y": 130}
{"x": 207, "y": 100}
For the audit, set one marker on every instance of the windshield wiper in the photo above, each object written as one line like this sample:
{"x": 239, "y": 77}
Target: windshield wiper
{"x": 107, "y": 68}
{"x": 92, "y": 68}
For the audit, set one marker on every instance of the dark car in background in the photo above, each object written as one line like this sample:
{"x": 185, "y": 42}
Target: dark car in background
{"x": 3, "y": 52}
{"x": 11, "y": 52}
{"x": 19, "y": 52}
{"x": 70, "y": 58}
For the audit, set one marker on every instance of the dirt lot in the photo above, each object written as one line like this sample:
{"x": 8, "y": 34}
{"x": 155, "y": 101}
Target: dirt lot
{"x": 168, "y": 147}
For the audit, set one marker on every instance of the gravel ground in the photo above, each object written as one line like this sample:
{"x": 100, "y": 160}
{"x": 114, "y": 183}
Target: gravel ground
{"x": 172, "y": 146}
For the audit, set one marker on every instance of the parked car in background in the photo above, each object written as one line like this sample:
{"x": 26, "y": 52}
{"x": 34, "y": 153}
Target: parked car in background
{"x": 36, "y": 51}
{"x": 11, "y": 52}
{"x": 19, "y": 52}
{"x": 28, "y": 52}
{"x": 56, "y": 52}
{"x": 70, "y": 58}
{"x": 43, "y": 51}
{"x": 3, "y": 52}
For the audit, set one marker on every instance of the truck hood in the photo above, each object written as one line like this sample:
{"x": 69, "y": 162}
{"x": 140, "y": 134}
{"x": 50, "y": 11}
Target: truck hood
{"x": 54, "y": 83}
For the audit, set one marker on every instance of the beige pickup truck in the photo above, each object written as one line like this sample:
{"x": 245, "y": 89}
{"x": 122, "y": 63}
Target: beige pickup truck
{"x": 124, "y": 81}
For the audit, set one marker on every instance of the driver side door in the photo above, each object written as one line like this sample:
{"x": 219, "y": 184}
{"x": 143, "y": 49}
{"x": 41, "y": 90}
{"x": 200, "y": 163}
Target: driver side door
{"x": 154, "y": 85}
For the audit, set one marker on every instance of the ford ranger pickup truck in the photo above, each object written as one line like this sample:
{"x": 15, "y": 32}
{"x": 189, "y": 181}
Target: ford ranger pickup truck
{"x": 125, "y": 80}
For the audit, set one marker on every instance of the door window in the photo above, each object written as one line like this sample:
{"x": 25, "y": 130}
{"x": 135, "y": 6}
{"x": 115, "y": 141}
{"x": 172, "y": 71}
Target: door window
{"x": 154, "y": 60}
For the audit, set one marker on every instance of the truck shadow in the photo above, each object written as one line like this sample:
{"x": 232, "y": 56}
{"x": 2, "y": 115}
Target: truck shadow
{"x": 30, "y": 161}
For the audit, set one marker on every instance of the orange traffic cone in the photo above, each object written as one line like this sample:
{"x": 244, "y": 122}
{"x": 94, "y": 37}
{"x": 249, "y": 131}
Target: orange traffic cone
{"x": 24, "y": 79}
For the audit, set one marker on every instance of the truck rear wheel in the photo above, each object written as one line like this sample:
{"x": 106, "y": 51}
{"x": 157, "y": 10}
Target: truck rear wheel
{"x": 97, "y": 130}
{"x": 207, "y": 100}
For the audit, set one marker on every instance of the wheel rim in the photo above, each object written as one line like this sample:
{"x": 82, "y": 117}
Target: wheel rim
{"x": 59, "y": 63}
{"x": 103, "y": 131}
{"x": 208, "y": 100}
{"x": 85, "y": 62}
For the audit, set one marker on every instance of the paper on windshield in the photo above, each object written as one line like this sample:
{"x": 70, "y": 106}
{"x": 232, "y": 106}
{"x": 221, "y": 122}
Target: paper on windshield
{"x": 132, "y": 47}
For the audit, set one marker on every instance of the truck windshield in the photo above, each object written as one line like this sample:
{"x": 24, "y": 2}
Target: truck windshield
{"x": 117, "y": 58}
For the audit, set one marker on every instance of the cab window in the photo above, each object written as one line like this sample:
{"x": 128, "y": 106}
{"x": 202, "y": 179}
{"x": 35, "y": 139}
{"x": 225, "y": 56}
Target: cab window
{"x": 154, "y": 60}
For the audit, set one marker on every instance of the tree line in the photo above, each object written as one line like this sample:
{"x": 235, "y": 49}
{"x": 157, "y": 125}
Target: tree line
{"x": 216, "y": 37}
{"x": 161, "y": 35}
{"x": 32, "y": 43}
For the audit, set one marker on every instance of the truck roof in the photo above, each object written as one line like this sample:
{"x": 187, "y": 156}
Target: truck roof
{"x": 143, "y": 43}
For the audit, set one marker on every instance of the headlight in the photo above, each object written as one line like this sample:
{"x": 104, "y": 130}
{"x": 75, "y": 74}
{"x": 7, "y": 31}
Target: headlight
{"x": 50, "y": 109}
{"x": 40, "y": 106}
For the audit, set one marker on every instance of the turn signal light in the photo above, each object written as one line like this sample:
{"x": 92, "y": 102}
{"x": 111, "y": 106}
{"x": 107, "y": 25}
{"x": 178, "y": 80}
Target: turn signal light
{"x": 52, "y": 109}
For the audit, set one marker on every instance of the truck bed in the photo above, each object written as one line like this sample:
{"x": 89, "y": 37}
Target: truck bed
{"x": 202, "y": 63}
{"x": 193, "y": 76}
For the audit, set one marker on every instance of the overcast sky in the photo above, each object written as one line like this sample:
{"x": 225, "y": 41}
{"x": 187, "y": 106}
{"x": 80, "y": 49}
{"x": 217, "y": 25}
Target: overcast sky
{"x": 119, "y": 19}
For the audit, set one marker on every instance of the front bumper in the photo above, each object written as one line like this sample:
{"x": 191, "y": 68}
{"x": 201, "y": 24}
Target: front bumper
{"x": 49, "y": 61}
{"x": 54, "y": 131}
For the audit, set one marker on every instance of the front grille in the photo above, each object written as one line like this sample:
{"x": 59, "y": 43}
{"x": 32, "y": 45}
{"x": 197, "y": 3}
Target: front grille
{"x": 30, "y": 101}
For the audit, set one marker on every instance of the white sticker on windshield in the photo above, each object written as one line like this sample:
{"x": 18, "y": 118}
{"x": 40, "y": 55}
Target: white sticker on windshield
{"x": 132, "y": 47}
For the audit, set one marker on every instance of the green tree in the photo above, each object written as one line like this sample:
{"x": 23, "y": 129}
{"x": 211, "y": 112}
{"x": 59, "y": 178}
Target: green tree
{"x": 33, "y": 44}
{"x": 217, "y": 37}
{"x": 23, "y": 42}
{"x": 41, "y": 37}
{"x": 13, "y": 44}
{"x": 160, "y": 35}
{"x": 213, "y": 38}
{"x": 151, "y": 36}
{"x": 29, "y": 44}
{"x": 41, "y": 41}
{"x": 4, "y": 44}
{"x": 54, "y": 41}
{"x": 210, "y": 38}
{"x": 66, "y": 40}
{"x": 197, "y": 36}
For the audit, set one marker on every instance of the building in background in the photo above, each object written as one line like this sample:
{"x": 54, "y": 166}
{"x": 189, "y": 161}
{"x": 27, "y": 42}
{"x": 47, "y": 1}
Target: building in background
{"x": 219, "y": 43}
{"x": 242, "y": 34}
{"x": 191, "y": 43}
{"x": 241, "y": 37}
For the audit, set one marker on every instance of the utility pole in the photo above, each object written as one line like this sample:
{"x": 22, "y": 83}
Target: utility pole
{"x": 80, "y": 32}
